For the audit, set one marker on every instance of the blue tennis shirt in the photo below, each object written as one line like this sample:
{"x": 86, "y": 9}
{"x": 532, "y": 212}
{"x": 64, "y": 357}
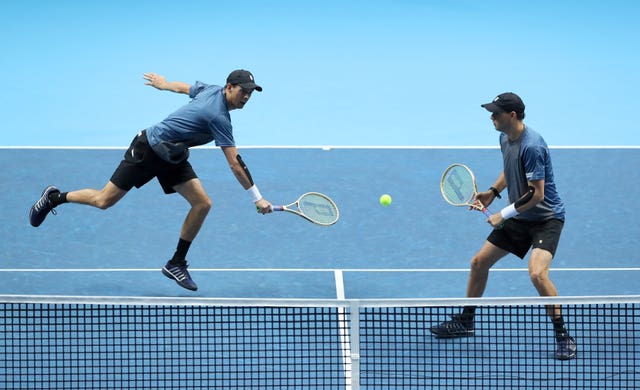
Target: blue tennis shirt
{"x": 528, "y": 158}
{"x": 204, "y": 119}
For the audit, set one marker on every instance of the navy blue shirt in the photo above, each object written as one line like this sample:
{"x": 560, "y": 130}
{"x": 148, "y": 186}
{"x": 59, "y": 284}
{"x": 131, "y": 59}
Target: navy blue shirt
{"x": 204, "y": 119}
{"x": 528, "y": 158}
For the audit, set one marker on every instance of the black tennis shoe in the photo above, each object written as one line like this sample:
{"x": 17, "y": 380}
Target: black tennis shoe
{"x": 460, "y": 325}
{"x": 42, "y": 207}
{"x": 179, "y": 273}
{"x": 566, "y": 347}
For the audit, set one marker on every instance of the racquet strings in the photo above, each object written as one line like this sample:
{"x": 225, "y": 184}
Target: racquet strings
{"x": 458, "y": 186}
{"x": 318, "y": 208}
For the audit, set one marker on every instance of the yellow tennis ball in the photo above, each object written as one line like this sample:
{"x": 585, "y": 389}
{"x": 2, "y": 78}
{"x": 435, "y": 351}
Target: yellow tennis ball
{"x": 385, "y": 200}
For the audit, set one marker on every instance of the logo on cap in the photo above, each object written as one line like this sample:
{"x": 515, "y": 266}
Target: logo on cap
{"x": 507, "y": 101}
{"x": 244, "y": 78}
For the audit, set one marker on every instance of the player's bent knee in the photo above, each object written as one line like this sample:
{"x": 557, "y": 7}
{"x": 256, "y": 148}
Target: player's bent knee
{"x": 204, "y": 206}
{"x": 105, "y": 202}
{"x": 108, "y": 196}
{"x": 477, "y": 264}
{"x": 538, "y": 278}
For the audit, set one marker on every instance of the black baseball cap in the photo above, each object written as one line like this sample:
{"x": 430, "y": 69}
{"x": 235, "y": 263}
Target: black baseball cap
{"x": 243, "y": 78}
{"x": 505, "y": 102}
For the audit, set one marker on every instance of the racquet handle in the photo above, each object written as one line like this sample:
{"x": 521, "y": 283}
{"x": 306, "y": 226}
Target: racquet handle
{"x": 273, "y": 208}
{"x": 488, "y": 214}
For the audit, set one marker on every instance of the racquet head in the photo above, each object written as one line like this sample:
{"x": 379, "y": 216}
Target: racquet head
{"x": 458, "y": 186}
{"x": 318, "y": 208}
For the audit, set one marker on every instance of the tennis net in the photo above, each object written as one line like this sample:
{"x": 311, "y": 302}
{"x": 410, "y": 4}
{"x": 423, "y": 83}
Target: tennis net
{"x": 179, "y": 343}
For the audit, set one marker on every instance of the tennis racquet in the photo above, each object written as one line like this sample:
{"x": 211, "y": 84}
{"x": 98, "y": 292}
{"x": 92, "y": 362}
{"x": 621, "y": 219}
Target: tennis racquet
{"x": 314, "y": 207}
{"x": 458, "y": 187}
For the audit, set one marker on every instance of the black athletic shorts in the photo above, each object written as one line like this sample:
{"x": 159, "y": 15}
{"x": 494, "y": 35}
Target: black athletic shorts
{"x": 518, "y": 236}
{"x": 141, "y": 164}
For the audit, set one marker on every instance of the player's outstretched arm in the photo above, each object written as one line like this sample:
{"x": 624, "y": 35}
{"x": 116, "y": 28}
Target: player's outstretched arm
{"x": 241, "y": 172}
{"x": 160, "y": 82}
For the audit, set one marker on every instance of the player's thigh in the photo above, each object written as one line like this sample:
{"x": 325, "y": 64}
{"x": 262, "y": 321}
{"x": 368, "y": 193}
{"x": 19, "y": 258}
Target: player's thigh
{"x": 172, "y": 176}
{"x": 540, "y": 261}
{"x": 193, "y": 191}
{"x": 546, "y": 235}
{"x": 137, "y": 166}
{"x": 487, "y": 256}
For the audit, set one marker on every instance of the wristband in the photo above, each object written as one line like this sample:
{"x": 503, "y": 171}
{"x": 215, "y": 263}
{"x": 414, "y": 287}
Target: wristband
{"x": 495, "y": 191}
{"x": 254, "y": 193}
{"x": 509, "y": 211}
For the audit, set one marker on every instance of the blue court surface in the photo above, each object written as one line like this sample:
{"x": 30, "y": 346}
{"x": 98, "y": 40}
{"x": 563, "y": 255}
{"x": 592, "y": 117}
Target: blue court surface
{"x": 418, "y": 247}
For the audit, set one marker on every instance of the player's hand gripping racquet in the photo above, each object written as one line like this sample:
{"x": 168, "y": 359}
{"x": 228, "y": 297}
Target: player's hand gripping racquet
{"x": 458, "y": 187}
{"x": 314, "y": 207}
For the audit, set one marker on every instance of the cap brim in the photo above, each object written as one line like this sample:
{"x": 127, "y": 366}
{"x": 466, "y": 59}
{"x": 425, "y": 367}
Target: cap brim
{"x": 492, "y": 107}
{"x": 251, "y": 86}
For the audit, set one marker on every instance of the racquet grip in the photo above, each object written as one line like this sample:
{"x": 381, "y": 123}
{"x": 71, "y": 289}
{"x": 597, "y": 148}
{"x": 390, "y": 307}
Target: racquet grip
{"x": 486, "y": 211}
{"x": 273, "y": 208}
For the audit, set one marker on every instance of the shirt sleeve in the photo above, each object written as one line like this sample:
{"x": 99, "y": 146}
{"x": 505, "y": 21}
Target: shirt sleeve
{"x": 222, "y": 131}
{"x": 196, "y": 88}
{"x": 533, "y": 159}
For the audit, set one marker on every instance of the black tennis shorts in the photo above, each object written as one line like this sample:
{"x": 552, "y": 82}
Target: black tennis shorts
{"x": 518, "y": 236}
{"x": 141, "y": 164}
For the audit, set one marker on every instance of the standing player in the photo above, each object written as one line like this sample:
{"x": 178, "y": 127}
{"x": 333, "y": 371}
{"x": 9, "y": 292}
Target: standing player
{"x": 162, "y": 151}
{"x": 534, "y": 218}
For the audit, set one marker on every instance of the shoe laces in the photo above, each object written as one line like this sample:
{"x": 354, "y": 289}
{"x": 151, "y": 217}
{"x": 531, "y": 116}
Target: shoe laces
{"x": 455, "y": 325}
{"x": 180, "y": 272}
{"x": 43, "y": 203}
{"x": 463, "y": 319}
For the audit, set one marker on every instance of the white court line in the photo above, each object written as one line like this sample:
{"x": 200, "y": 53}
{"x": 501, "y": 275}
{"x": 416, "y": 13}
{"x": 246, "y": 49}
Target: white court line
{"x": 339, "y": 284}
{"x": 332, "y": 270}
{"x": 345, "y": 343}
{"x": 345, "y": 340}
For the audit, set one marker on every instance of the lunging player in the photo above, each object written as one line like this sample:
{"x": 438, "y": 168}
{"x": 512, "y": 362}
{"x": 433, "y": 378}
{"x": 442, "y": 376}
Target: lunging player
{"x": 162, "y": 151}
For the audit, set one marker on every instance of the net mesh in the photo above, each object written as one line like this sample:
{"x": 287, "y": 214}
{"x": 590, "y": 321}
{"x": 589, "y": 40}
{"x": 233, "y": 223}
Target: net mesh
{"x": 308, "y": 344}
{"x": 513, "y": 347}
